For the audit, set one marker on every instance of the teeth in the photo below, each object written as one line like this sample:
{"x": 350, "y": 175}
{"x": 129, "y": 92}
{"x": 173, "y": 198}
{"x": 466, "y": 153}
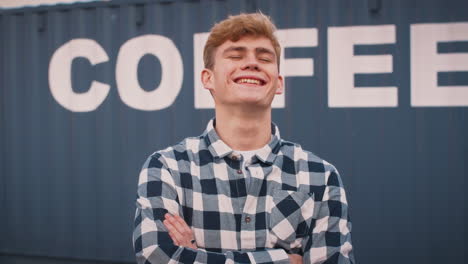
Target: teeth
{"x": 253, "y": 81}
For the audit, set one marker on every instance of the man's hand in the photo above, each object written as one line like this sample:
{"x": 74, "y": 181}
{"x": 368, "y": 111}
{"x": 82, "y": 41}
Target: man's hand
{"x": 179, "y": 231}
{"x": 295, "y": 258}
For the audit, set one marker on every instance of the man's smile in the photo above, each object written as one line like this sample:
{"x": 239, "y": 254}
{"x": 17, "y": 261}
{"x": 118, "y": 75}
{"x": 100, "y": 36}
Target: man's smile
{"x": 249, "y": 80}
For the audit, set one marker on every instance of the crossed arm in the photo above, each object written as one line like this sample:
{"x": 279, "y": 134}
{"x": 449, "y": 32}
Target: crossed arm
{"x": 153, "y": 241}
{"x": 182, "y": 235}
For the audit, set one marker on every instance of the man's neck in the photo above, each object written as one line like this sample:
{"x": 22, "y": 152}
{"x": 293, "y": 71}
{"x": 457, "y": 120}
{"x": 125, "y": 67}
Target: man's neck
{"x": 242, "y": 129}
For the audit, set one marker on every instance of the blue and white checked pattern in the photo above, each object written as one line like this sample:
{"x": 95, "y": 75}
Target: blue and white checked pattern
{"x": 295, "y": 203}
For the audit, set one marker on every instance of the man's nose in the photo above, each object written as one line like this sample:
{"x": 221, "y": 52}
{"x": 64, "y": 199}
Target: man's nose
{"x": 250, "y": 63}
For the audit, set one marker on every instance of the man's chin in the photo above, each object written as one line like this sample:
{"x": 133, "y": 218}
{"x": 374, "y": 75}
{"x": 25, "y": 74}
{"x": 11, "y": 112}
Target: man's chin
{"x": 253, "y": 103}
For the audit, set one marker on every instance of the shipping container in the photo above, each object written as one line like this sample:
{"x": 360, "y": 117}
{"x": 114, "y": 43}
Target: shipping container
{"x": 88, "y": 91}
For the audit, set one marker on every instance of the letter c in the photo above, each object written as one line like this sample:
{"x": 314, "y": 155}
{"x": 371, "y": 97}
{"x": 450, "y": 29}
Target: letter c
{"x": 60, "y": 83}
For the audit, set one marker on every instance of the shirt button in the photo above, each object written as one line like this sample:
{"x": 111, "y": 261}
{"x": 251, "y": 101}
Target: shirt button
{"x": 247, "y": 219}
{"x": 239, "y": 171}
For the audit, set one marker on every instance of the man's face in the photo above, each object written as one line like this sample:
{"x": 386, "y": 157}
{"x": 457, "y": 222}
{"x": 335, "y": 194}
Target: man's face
{"x": 245, "y": 72}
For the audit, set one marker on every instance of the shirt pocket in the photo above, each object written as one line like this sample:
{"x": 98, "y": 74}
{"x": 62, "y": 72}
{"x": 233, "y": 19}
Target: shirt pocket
{"x": 290, "y": 216}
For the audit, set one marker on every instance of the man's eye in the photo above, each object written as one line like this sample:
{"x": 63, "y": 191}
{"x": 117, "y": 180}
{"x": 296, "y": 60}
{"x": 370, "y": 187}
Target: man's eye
{"x": 265, "y": 59}
{"x": 235, "y": 57}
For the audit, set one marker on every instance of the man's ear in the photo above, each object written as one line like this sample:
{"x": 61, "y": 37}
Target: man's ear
{"x": 207, "y": 79}
{"x": 280, "y": 88}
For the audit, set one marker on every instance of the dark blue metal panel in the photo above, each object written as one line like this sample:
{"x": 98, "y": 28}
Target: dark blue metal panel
{"x": 68, "y": 179}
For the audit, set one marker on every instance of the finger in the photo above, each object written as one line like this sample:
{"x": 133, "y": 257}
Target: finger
{"x": 173, "y": 233}
{"x": 186, "y": 229}
{"x": 181, "y": 227}
{"x": 174, "y": 239}
{"x": 167, "y": 216}
{"x": 173, "y": 229}
{"x": 175, "y": 223}
{"x": 181, "y": 231}
{"x": 169, "y": 228}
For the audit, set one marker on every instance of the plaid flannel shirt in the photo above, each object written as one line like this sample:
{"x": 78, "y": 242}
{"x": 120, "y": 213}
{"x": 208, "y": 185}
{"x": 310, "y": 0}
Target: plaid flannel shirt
{"x": 295, "y": 203}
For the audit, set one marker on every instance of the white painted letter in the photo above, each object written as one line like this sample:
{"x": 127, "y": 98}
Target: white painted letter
{"x": 201, "y": 95}
{"x": 60, "y": 83}
{"x": 127, "y": 72}
{"x": 289, "y": 38}
{"x": 296, "y": 37}
{"x": 426, "y": 62}
{"x": 342, "y": 65}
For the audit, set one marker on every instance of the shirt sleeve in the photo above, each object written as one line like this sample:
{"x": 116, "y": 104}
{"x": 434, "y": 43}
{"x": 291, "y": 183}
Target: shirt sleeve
{"x": 330, "y": 241}
{"x": 157, "y": 195}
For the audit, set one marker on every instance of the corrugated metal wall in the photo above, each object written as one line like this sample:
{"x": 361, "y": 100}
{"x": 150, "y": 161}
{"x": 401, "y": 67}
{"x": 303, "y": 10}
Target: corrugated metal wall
{"x": 30, "y": 3}
{"x": 68, "y": 179}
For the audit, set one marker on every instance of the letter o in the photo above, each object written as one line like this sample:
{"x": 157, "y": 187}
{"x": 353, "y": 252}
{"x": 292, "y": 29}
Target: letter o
{"x": 127, "y": 72}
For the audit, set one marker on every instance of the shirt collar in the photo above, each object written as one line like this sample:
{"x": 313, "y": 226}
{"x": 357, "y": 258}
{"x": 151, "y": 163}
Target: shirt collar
{"x": 219, "y": 149}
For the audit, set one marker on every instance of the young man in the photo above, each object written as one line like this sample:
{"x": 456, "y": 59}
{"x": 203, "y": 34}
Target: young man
{"x": 239, "y": 193}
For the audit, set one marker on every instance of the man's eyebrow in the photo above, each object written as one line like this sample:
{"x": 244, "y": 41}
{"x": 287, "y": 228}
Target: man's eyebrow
{"x": 265, "y": 50}
{"x": 235, "y": 48}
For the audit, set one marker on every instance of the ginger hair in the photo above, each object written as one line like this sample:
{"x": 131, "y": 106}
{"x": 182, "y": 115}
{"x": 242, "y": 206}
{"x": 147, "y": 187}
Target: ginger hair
{"x": 236, "y": 27}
